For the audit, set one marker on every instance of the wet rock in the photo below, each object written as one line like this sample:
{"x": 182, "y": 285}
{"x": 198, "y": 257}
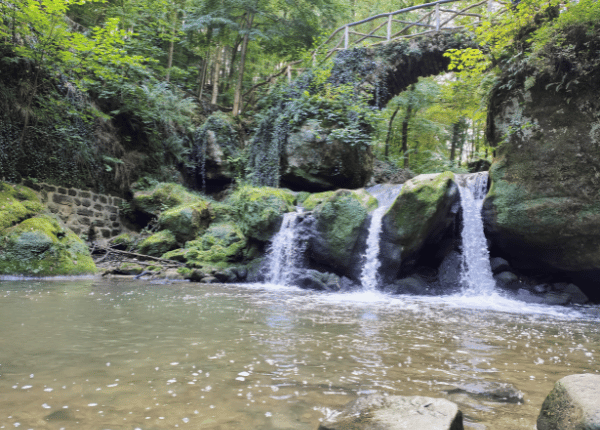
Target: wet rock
{"x": 129, "y": 269}
{"x": 340, "y": 224}
{"x": 507, "y": 280}
{"x": 496, "y": 391}
{"x": 527, "y": 297}
{"x": 410, "y": 285}
{"x": 421, "y": 214}
{"x": 499, "y": 265}
{"x": 553, "y": 299}
{"x": 573, "y": 404}
{"x": 577, "y": 296}
{"x": 227, "y": 275}
{"x": 209, "y": 280}
{"x": 197, "y": 275}
{"x": 449, "y": 272}
{"x": 377, "y": 412}
{"x": 320, "y": 281}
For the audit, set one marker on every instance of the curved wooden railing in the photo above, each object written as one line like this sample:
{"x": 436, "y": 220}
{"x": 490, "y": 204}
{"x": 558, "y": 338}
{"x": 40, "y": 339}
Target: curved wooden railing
{"x": 424, "y": 19}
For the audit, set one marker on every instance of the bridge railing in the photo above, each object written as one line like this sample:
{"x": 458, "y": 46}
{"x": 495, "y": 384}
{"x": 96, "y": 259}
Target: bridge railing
{"x": 409, "y": 22}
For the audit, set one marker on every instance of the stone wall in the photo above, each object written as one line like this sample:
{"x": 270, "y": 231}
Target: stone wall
{"x": 84, "y": 212}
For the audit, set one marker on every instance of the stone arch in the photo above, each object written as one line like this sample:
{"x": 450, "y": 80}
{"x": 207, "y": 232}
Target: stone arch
{"x": 387, "y": 70}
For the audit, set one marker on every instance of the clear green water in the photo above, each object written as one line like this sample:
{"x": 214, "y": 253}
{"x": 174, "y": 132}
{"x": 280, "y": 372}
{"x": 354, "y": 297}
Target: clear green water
{"x": 132, "y": 355}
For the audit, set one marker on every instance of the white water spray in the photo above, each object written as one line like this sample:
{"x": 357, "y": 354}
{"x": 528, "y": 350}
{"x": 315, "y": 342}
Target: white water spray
{"x": 285, "y": 251}
{"x": 385, "y": 195}
{"x": 476, "y": 272}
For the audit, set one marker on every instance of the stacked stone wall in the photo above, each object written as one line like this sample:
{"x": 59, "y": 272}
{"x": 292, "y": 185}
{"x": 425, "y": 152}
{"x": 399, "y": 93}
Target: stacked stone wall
{"x": 84, "y": 212}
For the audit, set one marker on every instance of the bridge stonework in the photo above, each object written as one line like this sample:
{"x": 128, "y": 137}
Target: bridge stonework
{"x": 84, "y": 212}
{"x": 388, "y": 69}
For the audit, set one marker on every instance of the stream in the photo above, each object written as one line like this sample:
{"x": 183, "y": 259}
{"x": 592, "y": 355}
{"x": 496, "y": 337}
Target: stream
{"x": 100, "y": 354}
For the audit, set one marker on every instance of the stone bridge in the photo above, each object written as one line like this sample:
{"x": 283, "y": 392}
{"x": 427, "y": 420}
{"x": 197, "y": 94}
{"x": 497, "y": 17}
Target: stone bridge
{"x": 387, "y": 70}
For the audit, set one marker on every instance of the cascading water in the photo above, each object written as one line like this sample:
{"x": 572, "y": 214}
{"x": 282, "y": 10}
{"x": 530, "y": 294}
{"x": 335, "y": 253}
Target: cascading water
{"x": 476, "y": 272}
{"x": 385, "y": 195}
{"x": 285, "y": 251}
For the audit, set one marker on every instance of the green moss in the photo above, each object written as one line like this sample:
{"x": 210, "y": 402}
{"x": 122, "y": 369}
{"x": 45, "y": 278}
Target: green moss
{"x": 125, "y": 240}
{"x": 339, "y": 220}
{"x": 40, "y": 246}
{"x": 16, "y": 204}
{"x": 158, "y": 243}
{"x": 187, "y": 220}
{"x": 419, "y": 207}
{"x": 162, "y": 197}
{"x": 316, "y": 199}
{"x": 258, "y": 210}
{"x": 130, "y": 269}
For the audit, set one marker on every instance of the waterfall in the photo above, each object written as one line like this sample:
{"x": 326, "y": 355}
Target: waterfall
{"x": 286, "y": 250}
{"x": 385, "y": 195}
{"x": 476, "y": 272}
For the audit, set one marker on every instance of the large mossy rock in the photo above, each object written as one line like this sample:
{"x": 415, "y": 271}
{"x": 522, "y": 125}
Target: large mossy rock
{"x": 17, "y": 203}
{"x": 162, "y": 197}
{"x": 310, "y": 162}
{"x": 573, "y": 404}
{"x": 186, "y": 221}
{"x": 40, "y": 246}
{"x": 543, "y": 209}
{"x": 378, "y": 412}
{"x": 421, "y": 214}
{"x": 258, "y": 210}
{"x": 221, "y": 243}
{"x": 159, "y": 243}
{"x": 340, "y": 229}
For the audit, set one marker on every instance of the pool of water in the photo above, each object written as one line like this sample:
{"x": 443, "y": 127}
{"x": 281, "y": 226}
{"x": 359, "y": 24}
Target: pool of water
{"x": 91, "y": 354}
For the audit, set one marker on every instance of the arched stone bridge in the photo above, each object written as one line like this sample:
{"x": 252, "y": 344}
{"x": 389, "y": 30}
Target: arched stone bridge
{"x": 388, "y": 69}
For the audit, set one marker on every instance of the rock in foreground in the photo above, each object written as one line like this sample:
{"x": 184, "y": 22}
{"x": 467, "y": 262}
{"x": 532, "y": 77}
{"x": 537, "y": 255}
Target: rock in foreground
{"x": 377, "y": 412}
{"x": 573, "y": 404}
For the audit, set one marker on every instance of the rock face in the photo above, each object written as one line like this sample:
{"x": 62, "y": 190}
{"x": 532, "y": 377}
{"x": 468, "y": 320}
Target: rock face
{"x": 543, "y": 209}
{"x": 421, "y": 214}
{"x": 377, "y": 412}
{"x": 310, "y": 163}
{"x": 573, "y": 404}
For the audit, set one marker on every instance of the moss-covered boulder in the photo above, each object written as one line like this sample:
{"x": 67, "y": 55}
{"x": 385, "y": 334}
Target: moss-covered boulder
{"x": 310, "y": 161}
{"x": 258, "y": 210}
{"x": 40, "y": 246}
{"x": 340, "y": 230}
{"x": 220, "y": 243}
{"x": 186, "y": 221}
{"x": 421, "y": 214}
{"x": 162, "y": 197}
{"x": 17, "y": 203}
{"x": 157, "y": 244}
{"x": 542, "y": 212}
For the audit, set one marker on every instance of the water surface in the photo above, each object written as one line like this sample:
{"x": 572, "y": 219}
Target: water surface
{"x": 92, "y": 354}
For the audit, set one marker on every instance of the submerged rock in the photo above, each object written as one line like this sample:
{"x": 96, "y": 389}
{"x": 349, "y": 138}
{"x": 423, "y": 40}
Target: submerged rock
{"x": 573, "y": 404}
{"x": 377, "y": 412}
{"x": 496, "y": 391}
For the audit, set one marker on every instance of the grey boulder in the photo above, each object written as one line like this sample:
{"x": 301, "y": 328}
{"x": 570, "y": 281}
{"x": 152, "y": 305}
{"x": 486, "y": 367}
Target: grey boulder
{"x": 378, "y": 412}
{"x": 573, "y": 404}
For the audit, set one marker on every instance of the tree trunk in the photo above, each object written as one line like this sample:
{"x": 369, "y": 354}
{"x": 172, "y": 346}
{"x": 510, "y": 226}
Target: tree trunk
{"x": 405, "y": 122}
{"x": 389, "y": 133}
{"x": 171, "y": 47}
{"x": 454, "y": 140}
{"x": 216, "y": 73}
{"x": 237, "y": 100}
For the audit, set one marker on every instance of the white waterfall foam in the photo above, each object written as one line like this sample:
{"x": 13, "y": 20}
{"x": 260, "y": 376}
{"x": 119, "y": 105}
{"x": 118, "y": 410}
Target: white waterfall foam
{"x": 476, "y": 272}
{"x": 385, "y": 195}
{"x": 285, "y": 251}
